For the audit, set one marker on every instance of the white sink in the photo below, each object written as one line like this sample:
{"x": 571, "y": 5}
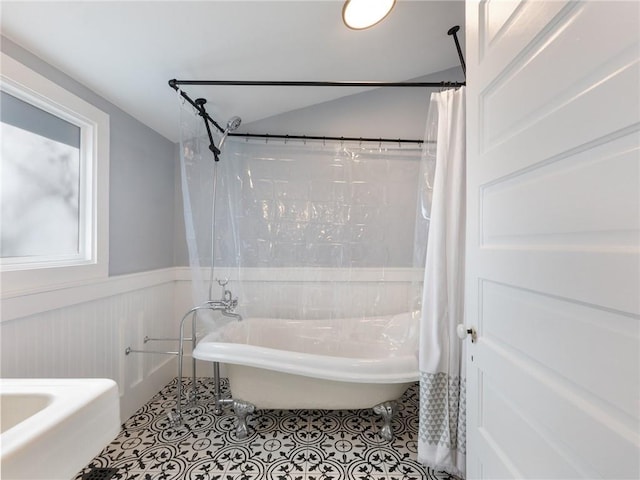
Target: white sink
{"x": 51, "y": 428}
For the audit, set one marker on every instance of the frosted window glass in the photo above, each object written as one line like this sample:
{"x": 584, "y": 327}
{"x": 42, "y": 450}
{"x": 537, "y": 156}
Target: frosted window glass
{"x": 39, "y": 195}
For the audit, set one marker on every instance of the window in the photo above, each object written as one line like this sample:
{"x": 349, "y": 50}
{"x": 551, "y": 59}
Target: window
{"x": 53, "y": 183}
{"x": 41, "y": 215}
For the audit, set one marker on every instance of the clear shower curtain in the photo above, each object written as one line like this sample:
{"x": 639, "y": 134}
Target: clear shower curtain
{"x": 442, "y": 435}
{"x": 304, "y": 230}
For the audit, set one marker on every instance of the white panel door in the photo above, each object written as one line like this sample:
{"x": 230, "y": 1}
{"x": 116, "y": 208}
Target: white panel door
{"x": 553, "y": 264}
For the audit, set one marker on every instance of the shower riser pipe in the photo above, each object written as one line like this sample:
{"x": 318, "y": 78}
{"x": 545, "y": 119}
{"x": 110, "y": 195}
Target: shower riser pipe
{"x": 193, "y": 313}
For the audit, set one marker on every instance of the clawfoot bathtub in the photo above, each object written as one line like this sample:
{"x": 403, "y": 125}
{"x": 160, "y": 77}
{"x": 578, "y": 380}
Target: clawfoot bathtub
{"x": 316, "y": 364}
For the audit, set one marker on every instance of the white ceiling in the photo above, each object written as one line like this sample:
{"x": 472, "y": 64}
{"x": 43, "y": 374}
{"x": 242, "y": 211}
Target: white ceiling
{"x": 127, "y": 51}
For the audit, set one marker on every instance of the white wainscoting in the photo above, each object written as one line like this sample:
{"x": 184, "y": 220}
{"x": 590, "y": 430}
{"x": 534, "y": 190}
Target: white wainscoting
{"x": 83, "y": 330}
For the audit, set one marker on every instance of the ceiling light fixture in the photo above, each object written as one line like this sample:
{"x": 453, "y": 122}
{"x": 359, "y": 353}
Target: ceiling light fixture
{"x": 361, "y": 14}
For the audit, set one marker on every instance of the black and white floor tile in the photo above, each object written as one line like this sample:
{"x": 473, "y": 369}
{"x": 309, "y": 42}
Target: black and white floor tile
{"x": 282, "y": 444}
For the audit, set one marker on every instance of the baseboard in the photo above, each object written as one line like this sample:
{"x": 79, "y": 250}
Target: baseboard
{"x": 140, "y": 394}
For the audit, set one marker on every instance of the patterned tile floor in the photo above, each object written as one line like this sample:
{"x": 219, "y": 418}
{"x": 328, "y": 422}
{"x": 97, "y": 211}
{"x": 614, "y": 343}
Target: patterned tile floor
{"x": 282, "y": 444}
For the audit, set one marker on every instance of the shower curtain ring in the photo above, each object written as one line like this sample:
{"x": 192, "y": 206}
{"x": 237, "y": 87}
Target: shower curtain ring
{"x": 286, "y": 139}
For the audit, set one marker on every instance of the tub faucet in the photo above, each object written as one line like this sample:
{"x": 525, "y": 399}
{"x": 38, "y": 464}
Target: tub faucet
{"x": 227, "y": 297}
{"x": 226, "y": 313}
{"x": 227, "y": 304}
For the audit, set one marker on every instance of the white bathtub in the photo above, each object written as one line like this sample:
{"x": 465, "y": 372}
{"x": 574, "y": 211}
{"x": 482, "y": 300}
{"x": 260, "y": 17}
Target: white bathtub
{"x": 324, "y": 364}
{"x": 52, "y": 428}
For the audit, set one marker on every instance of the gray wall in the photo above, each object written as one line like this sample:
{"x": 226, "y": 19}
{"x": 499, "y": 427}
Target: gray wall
{"x": 382, "y": 112}
{"x": 142, "y": 179}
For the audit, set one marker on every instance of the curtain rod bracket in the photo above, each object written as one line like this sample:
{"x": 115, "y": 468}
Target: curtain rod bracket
{"x": 199, "y": 102}
{"x": 454, "y": 31}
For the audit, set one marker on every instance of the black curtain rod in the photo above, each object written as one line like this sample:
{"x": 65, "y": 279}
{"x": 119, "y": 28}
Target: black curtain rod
{"x": 198, "y": 104}
{"x": 453, "y": 31}
{"x": 317, "y": 137}
{"x": 278, "y": 83}
{"x": 174, "y": 84}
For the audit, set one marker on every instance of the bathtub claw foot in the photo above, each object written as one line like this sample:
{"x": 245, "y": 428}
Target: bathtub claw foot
{"x": 192, "y": 399}
{"x": 387, "y": 410}
{"x": 175, "y": 419}
{"x": 242, "y": 409}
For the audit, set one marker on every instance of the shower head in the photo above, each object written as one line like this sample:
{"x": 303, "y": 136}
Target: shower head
{"x": 232, "y": 124}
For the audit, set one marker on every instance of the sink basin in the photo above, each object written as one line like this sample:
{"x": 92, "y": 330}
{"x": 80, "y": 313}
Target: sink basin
{"x": 16, "y": 407}
{"x": 51, "y": 428}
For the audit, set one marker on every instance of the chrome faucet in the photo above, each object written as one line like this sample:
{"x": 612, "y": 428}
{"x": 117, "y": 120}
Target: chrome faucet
{"x": 227, "y": 304}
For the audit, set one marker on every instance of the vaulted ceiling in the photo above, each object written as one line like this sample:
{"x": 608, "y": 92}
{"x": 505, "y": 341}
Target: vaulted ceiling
{"x": 127, "y": 51}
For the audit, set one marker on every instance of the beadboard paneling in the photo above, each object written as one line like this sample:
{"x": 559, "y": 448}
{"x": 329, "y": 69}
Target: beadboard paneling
{"x": 88, "y": 339}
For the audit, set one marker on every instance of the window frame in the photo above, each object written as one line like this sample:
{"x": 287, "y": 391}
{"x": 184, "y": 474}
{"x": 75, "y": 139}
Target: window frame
{"x": 46, "y": 273}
